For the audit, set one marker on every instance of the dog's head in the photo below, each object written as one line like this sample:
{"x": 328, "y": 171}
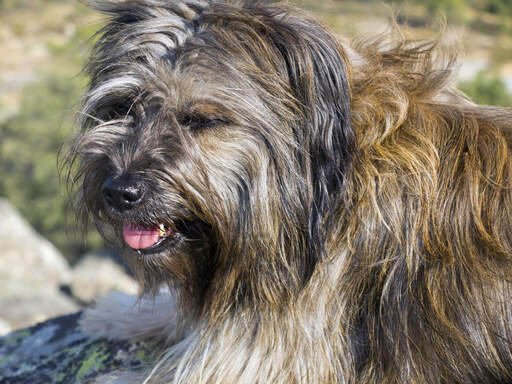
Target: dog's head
{"x": 215, "y": 138}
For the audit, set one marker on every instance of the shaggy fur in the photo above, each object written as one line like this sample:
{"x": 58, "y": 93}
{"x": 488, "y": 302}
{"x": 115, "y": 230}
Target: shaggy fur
{"x": 339, "y": 214}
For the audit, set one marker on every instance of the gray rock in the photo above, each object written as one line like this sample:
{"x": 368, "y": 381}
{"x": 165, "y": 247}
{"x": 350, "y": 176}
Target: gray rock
{"x": 31, "y": 272}
{"x": 96, "y": 275}
{"x": 57, "y": 352}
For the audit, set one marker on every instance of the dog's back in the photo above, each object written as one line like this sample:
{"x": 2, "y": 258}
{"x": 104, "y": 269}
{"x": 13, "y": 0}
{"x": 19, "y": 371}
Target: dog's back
{"x": 430, "y": 230}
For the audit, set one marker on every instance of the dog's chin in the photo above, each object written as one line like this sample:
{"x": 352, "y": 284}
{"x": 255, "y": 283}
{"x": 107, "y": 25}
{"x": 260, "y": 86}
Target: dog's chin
{"x": 179, "y": 257}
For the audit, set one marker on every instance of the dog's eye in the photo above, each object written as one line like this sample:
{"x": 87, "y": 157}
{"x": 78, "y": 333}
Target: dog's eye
{"x": 118, "y": 112}
{"x": 199, "y": 122}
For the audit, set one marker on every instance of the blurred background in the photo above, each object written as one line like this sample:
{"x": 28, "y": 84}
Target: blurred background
{"x": 47, "y": 265}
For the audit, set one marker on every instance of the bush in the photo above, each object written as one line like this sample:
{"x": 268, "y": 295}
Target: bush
{"x": 454, "y": 10}
{"x": 487, "y": 88}
{"x": 29, "y": 146}
{"x": 28, "y": 162}
{"x": 498, "y": 6}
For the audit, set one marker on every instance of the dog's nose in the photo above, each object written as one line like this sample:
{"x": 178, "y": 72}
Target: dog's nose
{"x": 122, "y": 192}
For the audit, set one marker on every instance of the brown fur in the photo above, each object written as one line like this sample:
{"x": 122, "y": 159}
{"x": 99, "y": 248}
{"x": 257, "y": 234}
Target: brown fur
{"x": 430, "y": 224}
{"x": 373, "y": 247}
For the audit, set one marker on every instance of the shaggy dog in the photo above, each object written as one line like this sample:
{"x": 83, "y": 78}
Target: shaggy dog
{"x": 321, "y": 213}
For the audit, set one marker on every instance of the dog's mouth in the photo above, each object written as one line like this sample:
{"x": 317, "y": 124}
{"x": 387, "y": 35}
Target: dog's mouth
{"x": 146, "y": 239}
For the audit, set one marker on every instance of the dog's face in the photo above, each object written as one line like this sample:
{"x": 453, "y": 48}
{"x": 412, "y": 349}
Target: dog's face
{"x": 214, "y": 142}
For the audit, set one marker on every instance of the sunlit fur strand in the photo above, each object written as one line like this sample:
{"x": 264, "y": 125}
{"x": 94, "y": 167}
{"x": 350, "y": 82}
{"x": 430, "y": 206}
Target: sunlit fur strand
{"x": 429, "y": 223}
{"x": 380, "y": 255}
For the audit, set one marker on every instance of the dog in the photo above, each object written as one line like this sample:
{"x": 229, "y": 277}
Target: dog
{"x": 297, "y": 209}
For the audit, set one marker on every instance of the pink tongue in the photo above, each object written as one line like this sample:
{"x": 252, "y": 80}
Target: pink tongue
{"x": 138, "y": 237}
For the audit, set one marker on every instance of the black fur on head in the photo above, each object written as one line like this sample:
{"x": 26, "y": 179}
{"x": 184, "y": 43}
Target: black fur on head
{"x": 233, "y": 120}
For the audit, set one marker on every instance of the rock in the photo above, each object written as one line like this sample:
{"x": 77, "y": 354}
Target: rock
{"x": 96, "y": 275}
{"x": 57, "y": 352}
{"x": 5, "y": 328}
{"x": 22, "y": 248}
{"x": 31, "y": 272}
{"x": 19, "y": 311}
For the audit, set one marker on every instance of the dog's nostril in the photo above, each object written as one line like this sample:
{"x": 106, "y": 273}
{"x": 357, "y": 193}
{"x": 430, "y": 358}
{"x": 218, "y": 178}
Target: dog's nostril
{"x": 122, "y": 192}
{"x": 131, "y": 194}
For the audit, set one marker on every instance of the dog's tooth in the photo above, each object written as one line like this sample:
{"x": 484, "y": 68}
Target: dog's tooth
{"x": 162, "y": 232}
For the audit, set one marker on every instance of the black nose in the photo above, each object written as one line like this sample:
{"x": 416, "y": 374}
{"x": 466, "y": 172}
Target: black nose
{"x": 123, "y": 192}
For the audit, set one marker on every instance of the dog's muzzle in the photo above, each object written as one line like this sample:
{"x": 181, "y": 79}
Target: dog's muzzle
{"x": 124, "y": 193}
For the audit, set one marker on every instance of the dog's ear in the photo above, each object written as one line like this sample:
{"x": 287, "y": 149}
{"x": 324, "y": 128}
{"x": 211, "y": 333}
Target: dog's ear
{"x": 318, "y": 79}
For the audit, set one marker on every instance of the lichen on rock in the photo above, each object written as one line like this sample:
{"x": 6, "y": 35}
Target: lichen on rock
{"x": 57, "y": 352}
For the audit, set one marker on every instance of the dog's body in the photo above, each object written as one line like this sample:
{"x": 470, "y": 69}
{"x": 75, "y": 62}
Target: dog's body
{"x": 321, "y": 214}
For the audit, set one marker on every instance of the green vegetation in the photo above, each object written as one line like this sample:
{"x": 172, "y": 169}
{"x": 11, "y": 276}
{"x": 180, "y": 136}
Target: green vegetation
{"x": 455, "y": 10}
{"x": 488, "y": 89}
{"x": 496, "y": 12}
{"x": 30, "y": 143}
{"x": 498, "y": 6}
